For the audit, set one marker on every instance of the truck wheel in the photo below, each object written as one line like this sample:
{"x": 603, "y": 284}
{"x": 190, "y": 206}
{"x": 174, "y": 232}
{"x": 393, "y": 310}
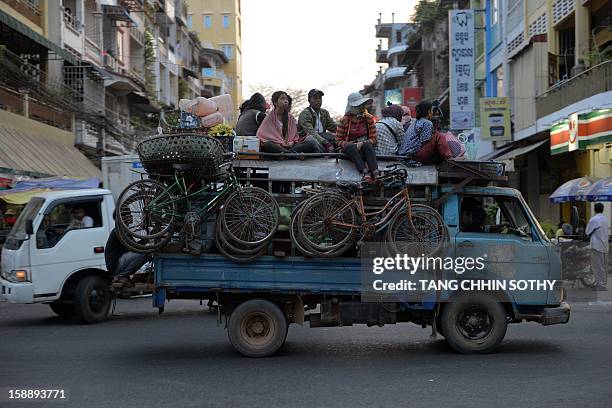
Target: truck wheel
{"x": 257, "y": 328}
{"x": 92, "y": 299}
{"x": 474, "y": 323}
{"x": 63, "y": 309}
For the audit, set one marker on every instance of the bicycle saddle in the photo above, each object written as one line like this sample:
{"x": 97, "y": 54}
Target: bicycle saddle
{"x": 352, "y": 186}
{"x": 183, "y": 166}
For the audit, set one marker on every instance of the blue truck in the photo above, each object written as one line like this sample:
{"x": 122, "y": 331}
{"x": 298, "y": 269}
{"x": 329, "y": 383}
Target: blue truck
{"x": 260, "y": 299}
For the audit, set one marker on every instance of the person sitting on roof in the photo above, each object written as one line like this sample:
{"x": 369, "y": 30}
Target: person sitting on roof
{"x": 278, "y": 132}
{"x": 317, "y": 122}
{"x": 356, "y": 136}
{"x": 252, "y": 114}
{"x": 390, "y": 131}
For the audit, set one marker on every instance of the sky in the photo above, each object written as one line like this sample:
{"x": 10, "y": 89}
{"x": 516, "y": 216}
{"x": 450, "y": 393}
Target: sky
{"x": 324, "y": 44}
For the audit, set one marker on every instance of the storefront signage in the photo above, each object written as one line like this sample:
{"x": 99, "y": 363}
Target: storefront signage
{"x": 495, "y": 119}
{"x": 581, "y": 130}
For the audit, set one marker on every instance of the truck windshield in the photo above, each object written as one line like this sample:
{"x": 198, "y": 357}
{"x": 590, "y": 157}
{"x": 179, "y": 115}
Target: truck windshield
{"x": 29, "y": 212}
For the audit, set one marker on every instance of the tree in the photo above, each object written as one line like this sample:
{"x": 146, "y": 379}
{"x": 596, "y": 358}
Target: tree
{"x": 299, "y": 96}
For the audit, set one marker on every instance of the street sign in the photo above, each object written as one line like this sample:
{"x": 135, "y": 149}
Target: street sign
{"x": 495, "y": 119}
{"x": 462, "y": 104}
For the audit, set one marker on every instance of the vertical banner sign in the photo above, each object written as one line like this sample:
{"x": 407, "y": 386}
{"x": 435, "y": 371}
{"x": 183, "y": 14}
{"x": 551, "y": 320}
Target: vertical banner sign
{"x": 412, "y": 97}
{"x": 462, "y": 105}
{"x": 495, "y": 119}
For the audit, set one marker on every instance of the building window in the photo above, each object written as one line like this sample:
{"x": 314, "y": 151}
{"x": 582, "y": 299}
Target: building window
{"x": 226, "y": 21}
{"x": 499, "y": 80}
{"x": 398, "y": 36}
{"x": 228, "y": 50}
{"x": 189, "y": 21}
{"x": 208, "y": 72}
{"x": 494, "y": 12}
{"x": 207, "y": 21}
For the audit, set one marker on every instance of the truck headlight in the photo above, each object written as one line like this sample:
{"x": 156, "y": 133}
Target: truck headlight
{"x": 18, "y": 275}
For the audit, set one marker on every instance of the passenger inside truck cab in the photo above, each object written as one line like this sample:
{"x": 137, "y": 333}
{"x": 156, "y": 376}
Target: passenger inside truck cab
{"x": 66, "y": 217}
{"x": 490, "y": 214}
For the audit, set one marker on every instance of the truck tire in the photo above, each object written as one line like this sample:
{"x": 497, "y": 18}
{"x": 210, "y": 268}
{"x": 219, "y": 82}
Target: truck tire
{"x": 92, "y": 299}
{"x": 474, "y": 323}
{"x": 63, "y": 309}
{"x": 257, "y": 328}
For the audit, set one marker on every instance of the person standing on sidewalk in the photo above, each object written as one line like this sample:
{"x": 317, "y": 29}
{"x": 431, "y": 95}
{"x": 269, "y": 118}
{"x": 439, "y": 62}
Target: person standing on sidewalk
{"x": 598, "y": 231}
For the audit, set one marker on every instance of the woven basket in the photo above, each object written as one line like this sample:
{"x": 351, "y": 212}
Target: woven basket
{"x": 159, "y": 154}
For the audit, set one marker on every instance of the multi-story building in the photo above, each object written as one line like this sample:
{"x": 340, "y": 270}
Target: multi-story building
{"x": 553, "y": 60}
{"x": 219, "y": 26}
{"x": 391, "y": 81}
{"x": 37, "y": 116}
{"x": 101, "y": 66}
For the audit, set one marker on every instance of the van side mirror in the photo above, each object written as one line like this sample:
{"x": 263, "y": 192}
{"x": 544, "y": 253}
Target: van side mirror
{"x": 29, "y": 227}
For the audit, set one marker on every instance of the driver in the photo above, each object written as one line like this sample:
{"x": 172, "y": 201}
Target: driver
{"x": 479, "y": 216}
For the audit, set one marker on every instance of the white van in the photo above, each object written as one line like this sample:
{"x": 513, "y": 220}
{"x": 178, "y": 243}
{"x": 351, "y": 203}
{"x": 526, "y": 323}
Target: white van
{"x": 46, "y": 259}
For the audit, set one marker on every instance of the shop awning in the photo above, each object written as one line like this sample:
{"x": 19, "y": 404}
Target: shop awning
{"x": 520, "y": 151}
{"x": 34, "y": 36}
{"x": 24, "y": 152}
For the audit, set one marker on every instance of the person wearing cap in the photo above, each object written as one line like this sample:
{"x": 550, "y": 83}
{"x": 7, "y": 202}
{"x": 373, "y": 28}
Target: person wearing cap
{"x": 317, "y": 122}
{"x": 356, "y": 136}
{"x": 390, "y": 131}
{"x": 252, "y": 114}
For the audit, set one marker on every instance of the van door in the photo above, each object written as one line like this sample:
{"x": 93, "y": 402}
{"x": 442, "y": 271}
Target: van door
{"x": 498, "y": 229}
{"x": 70, "y": 237}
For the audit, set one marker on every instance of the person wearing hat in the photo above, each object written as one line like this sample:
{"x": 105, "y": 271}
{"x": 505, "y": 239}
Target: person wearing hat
{"x": 390, "y": 131}
{"x": 356, "y": 136}
{"x": 317, "y": 122}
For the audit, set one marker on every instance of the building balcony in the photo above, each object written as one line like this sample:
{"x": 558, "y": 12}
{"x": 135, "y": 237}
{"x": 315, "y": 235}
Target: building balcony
{"x": 28, "y": 9}
{"x": 383, "y": 30}
{"x": 28, "y": 107}
{"x": 138, "y": 35}
{"x": 381, "y": 55}
{"x": 593, "y": 81}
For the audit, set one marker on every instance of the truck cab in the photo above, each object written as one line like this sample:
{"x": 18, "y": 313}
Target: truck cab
{"x": 55, "y": 254}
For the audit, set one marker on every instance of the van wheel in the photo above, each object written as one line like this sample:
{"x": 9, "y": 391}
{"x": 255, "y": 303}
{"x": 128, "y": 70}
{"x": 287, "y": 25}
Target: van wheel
{"x": 92, "y": 299}
{"x": 63, "y": 309}
{"x": 474, "y": 323}
{"x": 257, "y": 328}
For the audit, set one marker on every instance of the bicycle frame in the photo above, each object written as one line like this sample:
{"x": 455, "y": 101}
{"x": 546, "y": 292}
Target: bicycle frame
{"x": 229, "y": 185}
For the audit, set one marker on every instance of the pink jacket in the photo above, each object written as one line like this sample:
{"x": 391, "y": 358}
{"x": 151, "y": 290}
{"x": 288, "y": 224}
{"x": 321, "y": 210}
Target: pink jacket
{"x": 272, "y": 131}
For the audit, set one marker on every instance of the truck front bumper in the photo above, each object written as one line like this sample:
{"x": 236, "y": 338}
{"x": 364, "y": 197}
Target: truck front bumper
{"x": 556, "y": 315}
{"x": 22, "y": 292}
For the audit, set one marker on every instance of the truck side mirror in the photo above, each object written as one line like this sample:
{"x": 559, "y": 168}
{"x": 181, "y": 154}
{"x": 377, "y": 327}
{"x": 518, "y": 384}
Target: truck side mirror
{"x": 29, "y": 227}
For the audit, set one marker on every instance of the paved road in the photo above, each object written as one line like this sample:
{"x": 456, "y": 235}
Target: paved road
{"x": 181, "y": 359}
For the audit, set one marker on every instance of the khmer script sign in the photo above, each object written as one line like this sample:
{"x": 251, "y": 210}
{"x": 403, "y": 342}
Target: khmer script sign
{"x": 461, "y": 60}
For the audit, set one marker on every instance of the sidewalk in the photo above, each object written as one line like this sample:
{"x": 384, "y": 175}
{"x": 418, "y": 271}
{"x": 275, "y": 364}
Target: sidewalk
{"x": 578, "y": 293}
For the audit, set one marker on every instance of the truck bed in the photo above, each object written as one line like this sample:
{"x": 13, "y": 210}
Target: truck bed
{"x": 185, "y": 276}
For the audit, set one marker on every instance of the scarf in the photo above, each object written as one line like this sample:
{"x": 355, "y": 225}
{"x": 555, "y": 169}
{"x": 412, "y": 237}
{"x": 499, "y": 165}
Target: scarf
{"x": 271, "y": 131}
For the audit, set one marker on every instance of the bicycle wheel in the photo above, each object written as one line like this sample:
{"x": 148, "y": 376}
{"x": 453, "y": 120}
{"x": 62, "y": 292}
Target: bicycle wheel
{"x": 416, "y": 237}
{"x": 233, "y": 247}
{"x": 232, "y": 256}
{"x": 146, "y": 209}
{"x": 140, "y": 245}
{"x": 250, "y": 216}
{"x": 319, "y": 224}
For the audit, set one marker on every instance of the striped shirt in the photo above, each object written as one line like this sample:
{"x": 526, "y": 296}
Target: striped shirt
{"x": 352, "y": 128}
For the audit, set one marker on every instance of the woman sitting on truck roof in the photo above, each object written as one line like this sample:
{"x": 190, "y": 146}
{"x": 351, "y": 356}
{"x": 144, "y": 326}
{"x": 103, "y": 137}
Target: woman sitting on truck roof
{"x": 252, "y": 114}
{"x": 356, "y": 136}
{"x": 278, "y": 132}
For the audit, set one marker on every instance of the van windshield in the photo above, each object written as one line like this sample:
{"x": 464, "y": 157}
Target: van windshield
{"x": 29, "y": 212}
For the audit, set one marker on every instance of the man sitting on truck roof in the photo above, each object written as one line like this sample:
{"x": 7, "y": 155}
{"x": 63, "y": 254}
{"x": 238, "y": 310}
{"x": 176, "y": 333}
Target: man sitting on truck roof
{"x": 316, "y": 121}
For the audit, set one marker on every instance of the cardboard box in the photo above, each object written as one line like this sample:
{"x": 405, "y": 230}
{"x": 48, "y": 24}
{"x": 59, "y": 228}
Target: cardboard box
{"x": 247, "y": 144}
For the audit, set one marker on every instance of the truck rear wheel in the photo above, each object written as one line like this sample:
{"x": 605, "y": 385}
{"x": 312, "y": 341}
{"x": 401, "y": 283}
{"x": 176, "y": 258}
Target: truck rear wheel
{"x": 257, "y": 328}
{"x": 63, "y": 309}
{"x": 92, "y": 299}
{"x": 474, "y": 323}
